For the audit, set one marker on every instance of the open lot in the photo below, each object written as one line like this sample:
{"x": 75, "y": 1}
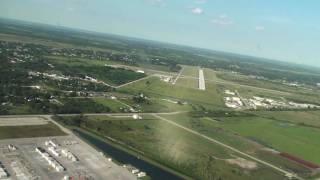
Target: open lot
{"x": 18, "y": 121}
{"x": 8, "y": 132}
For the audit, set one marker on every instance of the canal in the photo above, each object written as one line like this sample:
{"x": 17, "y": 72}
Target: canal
{"x": 123, "y": 157}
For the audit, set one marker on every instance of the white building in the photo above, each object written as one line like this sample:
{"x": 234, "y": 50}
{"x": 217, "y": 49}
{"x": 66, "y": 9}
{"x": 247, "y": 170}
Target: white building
{"x": 136, "y": 116}
{"x": 233, "y": 102}
{"x": 140, "y": 71}
{"x": 229, "y": 92}
{"x": 135, "y": 171}
{"x": 51, "y": 143}
{"x": 3, "y": 173}
{"x": 141, "y": 174}
{"x": 66, "y": 153}
{"x": 50, "y": 160}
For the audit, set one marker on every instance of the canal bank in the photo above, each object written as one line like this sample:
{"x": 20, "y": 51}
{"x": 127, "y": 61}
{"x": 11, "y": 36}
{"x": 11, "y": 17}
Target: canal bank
{"x": 123, "y": 157}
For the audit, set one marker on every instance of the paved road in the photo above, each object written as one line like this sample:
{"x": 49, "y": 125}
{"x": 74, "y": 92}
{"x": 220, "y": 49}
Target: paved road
{"x": 286, "y": 173}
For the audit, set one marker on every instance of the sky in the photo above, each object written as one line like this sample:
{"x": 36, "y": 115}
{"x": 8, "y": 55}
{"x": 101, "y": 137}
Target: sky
{"x": 286, "y": 30}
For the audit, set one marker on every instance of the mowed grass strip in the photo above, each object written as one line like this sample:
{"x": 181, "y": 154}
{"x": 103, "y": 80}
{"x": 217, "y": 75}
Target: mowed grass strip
{"x": 11, "y": 132}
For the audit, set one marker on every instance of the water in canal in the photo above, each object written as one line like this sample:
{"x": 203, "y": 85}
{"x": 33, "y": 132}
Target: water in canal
{"x": 123, "y": 157}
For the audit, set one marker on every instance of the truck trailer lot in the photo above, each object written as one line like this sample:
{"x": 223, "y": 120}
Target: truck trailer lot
{"x": 21, "y": 160}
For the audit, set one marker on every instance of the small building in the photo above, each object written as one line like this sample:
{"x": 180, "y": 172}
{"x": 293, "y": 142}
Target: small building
{"x": 12, "y": 147}
{"x": 141, "y": 174}
{"x": 136, "y": 116}
{"x": 135, "y": 171}
{"x": 140, "y": 71}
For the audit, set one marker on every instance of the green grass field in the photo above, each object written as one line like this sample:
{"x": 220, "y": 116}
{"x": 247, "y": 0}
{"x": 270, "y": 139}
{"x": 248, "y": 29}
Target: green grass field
{"x": 191, "y": 71}
{"x": 307, "y": 118}
{"x": 112, "y": 104}
{"x": 300, "y": 141}
{"x": 156, "y": 88}
{"x": 159, "y": 105}
{"x": 174, "y": 147}
{"x": 8, "y": 132}
{"x": 187, "y": 82}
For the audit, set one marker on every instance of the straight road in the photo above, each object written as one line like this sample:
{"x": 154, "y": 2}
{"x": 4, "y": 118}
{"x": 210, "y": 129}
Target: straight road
{"x": 91, "y": 114}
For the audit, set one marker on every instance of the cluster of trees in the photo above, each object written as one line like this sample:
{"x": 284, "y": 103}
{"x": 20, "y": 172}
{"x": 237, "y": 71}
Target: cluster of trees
{"x": 140, "y": 99}
{"x": 77, "y": 106}
{"x": 108, "y": 74}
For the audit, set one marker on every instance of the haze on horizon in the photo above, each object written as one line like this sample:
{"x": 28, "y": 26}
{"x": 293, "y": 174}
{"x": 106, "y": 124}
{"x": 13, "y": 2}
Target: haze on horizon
{"x": 286, "y": 30}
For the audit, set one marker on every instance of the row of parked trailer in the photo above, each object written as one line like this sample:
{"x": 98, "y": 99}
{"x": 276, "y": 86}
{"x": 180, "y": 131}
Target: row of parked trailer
{"x": 57, "y": 151}
{"x": 52, "y": 162}
{"x": 3, "y": 172}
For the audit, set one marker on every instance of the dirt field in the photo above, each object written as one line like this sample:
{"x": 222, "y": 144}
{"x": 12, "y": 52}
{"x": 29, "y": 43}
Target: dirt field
{"x": 19, "y": 121}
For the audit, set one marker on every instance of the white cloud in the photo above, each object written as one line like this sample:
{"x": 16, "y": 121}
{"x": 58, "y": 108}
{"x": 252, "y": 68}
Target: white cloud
{"x": 223, "y": 16}
{"x": 222, "y": 20}
{"x": 70, "y": 9}
{"x": 200, "y": 1}
{"x": 279, "y": 20}
{"x": 260, "y": 28}
{"x": 160, "y": 3}
{"x": 197, "y": 11}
